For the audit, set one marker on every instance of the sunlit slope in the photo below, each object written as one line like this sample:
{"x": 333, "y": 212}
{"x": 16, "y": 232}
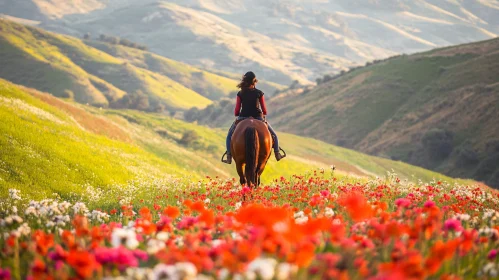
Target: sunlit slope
{"x": 49, "y": 145}
{"x": 205, "y": 83}
{"x": 66, "y": 67}
{"x": 437, "y": 109}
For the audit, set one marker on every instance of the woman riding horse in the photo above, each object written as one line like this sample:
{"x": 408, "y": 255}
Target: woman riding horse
{"x": 250, "y": 103}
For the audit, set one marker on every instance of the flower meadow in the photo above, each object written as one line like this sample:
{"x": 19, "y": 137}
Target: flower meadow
{"x": 305, "y": 227}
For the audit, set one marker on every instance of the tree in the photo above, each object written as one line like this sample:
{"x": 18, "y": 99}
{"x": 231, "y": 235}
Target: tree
{"x": 86, "y": 36}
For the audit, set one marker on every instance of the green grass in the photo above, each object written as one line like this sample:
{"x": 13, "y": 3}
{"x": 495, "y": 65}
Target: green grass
{"x": 67, "y": 67}
{"x": 45, "y": 151}
{"x": 48, "y": 147}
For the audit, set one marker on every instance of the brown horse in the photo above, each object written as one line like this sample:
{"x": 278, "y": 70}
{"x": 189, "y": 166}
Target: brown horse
{"x": 251, "y": 147}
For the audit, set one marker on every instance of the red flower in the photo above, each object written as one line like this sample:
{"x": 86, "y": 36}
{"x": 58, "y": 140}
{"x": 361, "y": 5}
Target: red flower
{"x": 43, "y": 242}
{"x": 83, "y": 263}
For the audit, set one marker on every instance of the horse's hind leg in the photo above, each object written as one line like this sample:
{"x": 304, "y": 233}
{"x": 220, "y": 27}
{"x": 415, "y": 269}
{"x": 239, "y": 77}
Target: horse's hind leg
{"x": 240, "y": 172}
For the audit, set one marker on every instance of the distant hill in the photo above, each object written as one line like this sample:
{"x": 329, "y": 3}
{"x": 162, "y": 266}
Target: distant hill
{"x": 438, "y": 110}
{"x": 211, "y": 85}
{"x": 106, "y": 75}
{"x": 52, "y": 145}
{"x": 281, "y": 40}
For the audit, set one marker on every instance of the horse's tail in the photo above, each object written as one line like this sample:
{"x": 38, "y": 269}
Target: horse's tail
{"x": 252, "y": 151}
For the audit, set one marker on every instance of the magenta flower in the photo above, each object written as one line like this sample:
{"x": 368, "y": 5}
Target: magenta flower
{"x": 453, "y": 225}
{"x": 492, "y": 254}
{"x": 325, "y": 193}
{"x": 429, "y": 204}
{"x": 245, "y": 190}
{"x": 5, "y": 274}
{"x": 403, "y": 202}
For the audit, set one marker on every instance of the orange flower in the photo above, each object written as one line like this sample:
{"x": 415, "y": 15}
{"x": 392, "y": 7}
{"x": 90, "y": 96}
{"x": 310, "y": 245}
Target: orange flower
{"x": 147, "y": 226}
{"x": 171, "y": 211}
{"x": 197, "y": 206}
{"x": 43, "y": 242}
{"x": 357, "y": 206}
{"x": 303, "y": 256}
{"x": 83, "y": 263}
{"x": 145, "y": 213}
{"x": 207, "y": 217}
{"x": 39, "y": 270}
{"x": 68, "y": 238}
{"x": 80, "y": 224}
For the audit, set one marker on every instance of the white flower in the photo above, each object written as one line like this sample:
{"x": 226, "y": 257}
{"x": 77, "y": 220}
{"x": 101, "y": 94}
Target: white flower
{"x": 154, "y": 246}
{"x": 285, "y": 271}
{"x": 163, "y": 236}
{"x": 262, "y": 267}
{"x": 30, "y": 211}
{"x": 238, "y": 205}
{"x": 14, "y": 194}
{"x": 216, "y": 242}
{"x": 299, "y": 214}
{"x": 163, "y": 272}
{"x": 185, "y": 270}
{"x": 127, "y": 237}
{"x": 99, "y": 216}
{"x": 80, "y": 208}
{"x": 139, "y": 273}
{"x": 207, "y": 201}
{"x": 301, "y": 220}
{"x": 328, "y": 212}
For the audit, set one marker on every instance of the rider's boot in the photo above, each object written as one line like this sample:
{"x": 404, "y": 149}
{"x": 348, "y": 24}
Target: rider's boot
{"x": 278, "y": 155}
{"x": 228, "y": 160}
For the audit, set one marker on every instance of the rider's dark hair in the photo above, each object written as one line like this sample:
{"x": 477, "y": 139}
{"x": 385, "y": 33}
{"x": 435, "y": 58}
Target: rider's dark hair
{"x": 248, "y": 80}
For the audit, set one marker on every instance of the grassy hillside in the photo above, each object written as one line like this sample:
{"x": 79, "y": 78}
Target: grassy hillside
{"x": 437, "y": 109}
{"x": 49, "y": 145}
{"x": 213, "y": 86}
{"x": 66, "y": 67}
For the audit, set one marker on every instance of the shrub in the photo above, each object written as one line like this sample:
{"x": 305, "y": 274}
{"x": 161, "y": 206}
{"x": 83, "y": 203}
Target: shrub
{"x": 438, "y": 143}
{"x": 188, "y": 138}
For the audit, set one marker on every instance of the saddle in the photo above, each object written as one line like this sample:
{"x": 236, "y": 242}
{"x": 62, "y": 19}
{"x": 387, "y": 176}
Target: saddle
{"x": 236, "y": 122}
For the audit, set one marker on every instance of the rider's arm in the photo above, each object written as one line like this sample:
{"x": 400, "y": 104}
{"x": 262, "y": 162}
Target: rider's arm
{"x": 262, "y": 105}
{"x": 237, "y": 110}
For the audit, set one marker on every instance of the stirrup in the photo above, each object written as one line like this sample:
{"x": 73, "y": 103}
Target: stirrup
{"x": 279, "y": 156}
{"x": 227, "y": 160}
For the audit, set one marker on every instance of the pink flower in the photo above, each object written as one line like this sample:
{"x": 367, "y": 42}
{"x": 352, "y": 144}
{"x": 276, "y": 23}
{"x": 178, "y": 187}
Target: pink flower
{"x": 325, "y": 193}
{"x": 492, "y": 254}
{"x": 119, "y": 256}
{"x": 5, "y": 274}
{"x": 141, "y": 255}
{"x": 245, "y": 190}
{"x": 453, "y": 225}
{"x": 403, "y": 202}
{"x": 429, "y": 204}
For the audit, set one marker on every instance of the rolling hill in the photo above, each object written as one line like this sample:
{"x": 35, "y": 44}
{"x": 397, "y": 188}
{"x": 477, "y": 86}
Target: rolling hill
{"x": 437, "y": 109}
{"x": 105, "y": 75}
{"x": 281, "y": 40}
{"x": 53, "y": 146}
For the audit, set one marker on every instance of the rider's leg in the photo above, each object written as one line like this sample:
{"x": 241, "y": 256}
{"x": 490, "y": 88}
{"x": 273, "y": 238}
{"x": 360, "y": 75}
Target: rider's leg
{"x": 277, "y": 153}
{"x": 276, "y": 140}
{"x": 229, "y": 137}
